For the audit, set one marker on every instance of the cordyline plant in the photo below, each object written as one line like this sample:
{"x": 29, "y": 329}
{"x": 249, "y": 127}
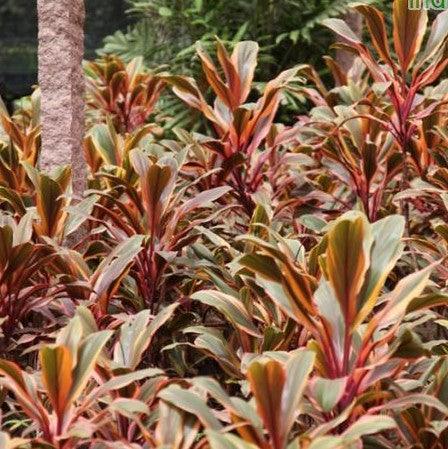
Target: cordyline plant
{"x": 321, "y": 327}
{"x": 49, "y": 202}
{"x": 65, "y": 400}
{"x": 104, "y": 147}
{"x": 355, "y": 348}
{"x": 397, "y": 104}
{"x": 99, "y": 285}
{"x": 125, "y": 92}
{"x": 421, "y": 418}
{"x": 345, "y": 138}
{"x": 405, "y": 77}
{"x": 20, "y": 141}
{"x": 25, "y": 284}
{"x": 277, "y": 382}
{"x": 250, "y": 324}
{"x": 240, "y": 128}
{"x": 155, "y": 206}
{"x": 41, "y": 278}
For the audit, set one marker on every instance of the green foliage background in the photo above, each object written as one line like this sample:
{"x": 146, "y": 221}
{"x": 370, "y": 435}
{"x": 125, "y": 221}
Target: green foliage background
{"x": 165, "y": 31}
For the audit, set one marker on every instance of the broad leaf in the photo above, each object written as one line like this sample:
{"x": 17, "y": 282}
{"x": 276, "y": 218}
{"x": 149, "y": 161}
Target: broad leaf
{"x": 57, "y": 362}
{"x": 88, "y": 354}
{"x": 409, "y": 30}
{"x": 347, "y": 261}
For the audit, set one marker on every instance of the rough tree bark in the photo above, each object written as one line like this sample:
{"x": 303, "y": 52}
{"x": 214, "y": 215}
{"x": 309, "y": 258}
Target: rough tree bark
{"x": 354, "y": 21}
{"x": 61, "y": 50}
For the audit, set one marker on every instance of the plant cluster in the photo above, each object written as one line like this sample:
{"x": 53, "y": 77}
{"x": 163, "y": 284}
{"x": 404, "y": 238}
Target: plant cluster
{"x": 242, "y": 283}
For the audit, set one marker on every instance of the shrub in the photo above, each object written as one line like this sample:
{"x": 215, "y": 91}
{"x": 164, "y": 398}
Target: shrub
{"x": 241, "y": 283}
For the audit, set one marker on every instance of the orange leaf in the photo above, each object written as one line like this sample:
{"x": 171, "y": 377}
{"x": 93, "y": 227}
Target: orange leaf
{"x": 57, "y": 365}
{"x": 347, "y": 262}
{"x": 231, "y": 73}
{"x": 215, "y": 81}
{"x": 409, "y": 29}
{"x": 377, "y": 29}
{"x": 267, "y": 380}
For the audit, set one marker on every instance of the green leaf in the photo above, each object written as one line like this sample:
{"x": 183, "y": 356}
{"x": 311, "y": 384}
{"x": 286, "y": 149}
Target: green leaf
{"x": 244, "y": 57}
{"x": 330, "y": 442}
{"x": 368, "y": 425}
{"x": 88, "y": 354}
{"x": 427, "y": 301}
{"x": 234, "y": 405}
{"x": 297, "y": 368}
{"x": 202, "y": 199}
{"x": 230, "y": 307}
{"x": 328, "y": 392}
{"x": 411, "y": 400}
{"x": 386, "y": 250}
{"x": 165, "y": 12}
{"x": 136, "y": 335}
{"x": 438, "y": 35}
{"x": 312, "y": 222}
{"x": 112, "y": 269}
{"x": 227, "y": 441}
{"x": 399, "y": 299}
{"x": 129, "y": 407}
{"x": 131, "y": 344}
{"x": 219, "y": 349}
{"x": 262, "y": 265}
{"x": 118, "y": 382}
{"x": 192, "y": 403}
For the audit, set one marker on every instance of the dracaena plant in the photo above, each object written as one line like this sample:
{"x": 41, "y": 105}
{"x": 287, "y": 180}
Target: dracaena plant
{"x": 359, "y": 328}
{"x": 125, "y": 92}
{"x": 403, "y": 76}
{"x": 239, "y": 146}
{"x": 160, "y": 208}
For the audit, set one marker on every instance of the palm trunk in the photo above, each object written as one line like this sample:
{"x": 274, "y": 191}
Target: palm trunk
{"x": 61, "y": 79}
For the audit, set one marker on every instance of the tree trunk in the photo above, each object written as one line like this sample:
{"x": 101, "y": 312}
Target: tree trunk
{"x": 61, "y": 79}
{"x": 344, "y": 58}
